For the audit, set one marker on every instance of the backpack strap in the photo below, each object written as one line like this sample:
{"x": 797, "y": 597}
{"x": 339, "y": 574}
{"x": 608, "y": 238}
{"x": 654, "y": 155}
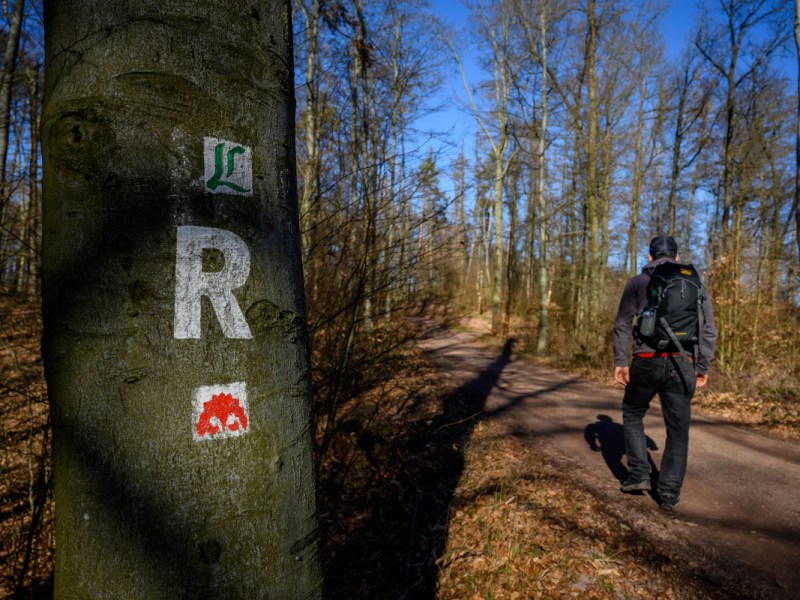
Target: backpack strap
{"x": 677, "y": 343}
{"x": 672, "y": 337}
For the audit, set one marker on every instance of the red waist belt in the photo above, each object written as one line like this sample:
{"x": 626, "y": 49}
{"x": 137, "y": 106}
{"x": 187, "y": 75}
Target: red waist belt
{"x": 658, "y": 354}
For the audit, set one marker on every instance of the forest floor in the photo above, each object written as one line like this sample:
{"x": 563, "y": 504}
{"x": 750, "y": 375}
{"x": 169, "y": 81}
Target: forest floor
{"x": 422, "y": 495}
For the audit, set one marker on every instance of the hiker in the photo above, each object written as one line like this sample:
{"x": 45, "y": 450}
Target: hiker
{"x": 662, "y": 364}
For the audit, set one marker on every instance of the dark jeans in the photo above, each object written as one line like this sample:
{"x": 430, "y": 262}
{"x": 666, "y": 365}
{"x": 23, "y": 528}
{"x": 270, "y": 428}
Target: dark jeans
{"x": 673, "y": 379}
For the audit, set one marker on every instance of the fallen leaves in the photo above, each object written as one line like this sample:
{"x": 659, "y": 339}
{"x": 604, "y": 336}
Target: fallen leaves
{"x": 25, "y": 494}
{"x": 521, "y": 530}
{"x": 777, "y": 414}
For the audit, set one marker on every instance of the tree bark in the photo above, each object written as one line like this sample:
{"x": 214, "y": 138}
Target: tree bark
{"x": 631, "y": 255}
{"x": 592, "y": 151}
{"x": 27, "y": 270}
{"x": 183, "y": 455}
{"x": 797, "y": 132}
{"x": 511, "y": 250}
{"x": 311, "y": 169}
{"x": 541, "y": 204}
{"x": 6, "y": 80}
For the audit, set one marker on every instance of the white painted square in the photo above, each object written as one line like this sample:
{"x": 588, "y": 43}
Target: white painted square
{"x": 220, "y": 411}
{"x": 228, "y": 167}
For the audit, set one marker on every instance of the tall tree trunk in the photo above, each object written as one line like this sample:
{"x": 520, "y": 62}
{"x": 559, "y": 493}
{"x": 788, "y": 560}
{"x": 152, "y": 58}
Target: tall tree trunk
{"x": 797, "y": 132}
{"x": 510, "y": 255}
{"x": 592, "y": 184}
{"x": 687, "y": 229}
{"x": 677, "y": 143}
{"x": 541, "y": 204}
{"x": 395, "y": 199}
{"x": 498, "y": 35}
{"x": 775, "y": 236}
{"x": 368, "y": 168}
{"x": 727, "y": 163}
{"x": 497, "y": 280}
{"x": 27, "y": 271}
{"x": 183, "y": 457}
{"x": 34, "y": 248}
{"x": 311, "y": 169}
{"x": 604, "y": 210}
{"x": 6, "y": 81}
{"x": 20, "y": 270}
{"x": 460, "y": 181}
{"x": 574, "y": 245}
{"x": 486, "y": 266}
{"x": 631, "y": 256}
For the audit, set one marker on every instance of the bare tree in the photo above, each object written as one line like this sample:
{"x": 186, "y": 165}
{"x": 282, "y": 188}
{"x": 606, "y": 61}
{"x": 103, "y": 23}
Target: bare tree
{"x": 536, "y": 21}
{"x": 796, "y": 207}
{"x": 494, "y": 25}
{"x": 735, "y": 51}
{"x": 6, "y": 80}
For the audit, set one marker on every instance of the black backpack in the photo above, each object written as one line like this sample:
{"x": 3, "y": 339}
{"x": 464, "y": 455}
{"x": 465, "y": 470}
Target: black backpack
{"x": 672, "y": 314}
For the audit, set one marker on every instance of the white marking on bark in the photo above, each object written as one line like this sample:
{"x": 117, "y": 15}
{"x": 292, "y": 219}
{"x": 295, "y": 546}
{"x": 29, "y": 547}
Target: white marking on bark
{"x": 191, "y": 282}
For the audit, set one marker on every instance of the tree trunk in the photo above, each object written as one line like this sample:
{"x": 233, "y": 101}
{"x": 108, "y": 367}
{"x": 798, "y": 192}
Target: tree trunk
{"x": 687, "y": 230}
{"x": 592, "y": 263}
{"x": 797, "y": 132}
{"x": 497, "y": 280}
{"x": 498, "y": 35}
{"x": 183, "y": 455}
{"x": 541, "y": 204}
{"x": 486, "y": 265}
{"x": 34, "y": 248}
{"x": 510, "y": 254}
{"x": 395, "y": 194}
{"x": 6, "y": 80}
{"x": 677, "y": 142}
{"x": 460, "y": 181}
{"x": 27, "y": 271}
{"x": 631, "y": 255}
{"x": 309, "y": 200}
{"x": 574, "y": 247}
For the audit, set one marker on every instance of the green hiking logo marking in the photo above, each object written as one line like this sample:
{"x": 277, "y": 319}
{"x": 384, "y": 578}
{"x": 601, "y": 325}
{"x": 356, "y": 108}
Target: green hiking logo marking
{"x": 216, "y": 181}
{"x": 228, "y": 167}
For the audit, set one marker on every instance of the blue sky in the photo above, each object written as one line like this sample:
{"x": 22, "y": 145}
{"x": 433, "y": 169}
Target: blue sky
{"x": 675, "y": 24}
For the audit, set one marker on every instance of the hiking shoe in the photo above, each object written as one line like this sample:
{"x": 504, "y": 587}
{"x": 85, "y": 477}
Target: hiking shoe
{"x": 667, "y": 503}
{"x": 631, "y": 485}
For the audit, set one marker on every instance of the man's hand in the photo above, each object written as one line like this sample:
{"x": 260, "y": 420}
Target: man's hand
{"x": 622, "y": 375}
{"x": 702, "y": 379}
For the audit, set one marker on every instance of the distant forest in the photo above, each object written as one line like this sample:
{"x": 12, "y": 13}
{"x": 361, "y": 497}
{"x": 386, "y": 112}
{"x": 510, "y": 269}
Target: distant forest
{"x": 591, "y": 139}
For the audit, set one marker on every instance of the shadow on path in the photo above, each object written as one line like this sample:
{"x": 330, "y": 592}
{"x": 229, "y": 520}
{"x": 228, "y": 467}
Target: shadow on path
{"x": 608, "y": 437}
{"x": 393, "y": 553}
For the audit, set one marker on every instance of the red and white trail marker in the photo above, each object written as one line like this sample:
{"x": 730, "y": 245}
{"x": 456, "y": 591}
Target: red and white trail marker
{"x": 220, "y": 411}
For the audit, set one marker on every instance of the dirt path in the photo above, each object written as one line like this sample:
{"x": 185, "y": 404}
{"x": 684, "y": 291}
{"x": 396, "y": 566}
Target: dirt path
{"x": 739, "y": 515}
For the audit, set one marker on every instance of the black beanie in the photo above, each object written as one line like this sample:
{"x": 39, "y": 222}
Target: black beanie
{"x": 663, "y": 246}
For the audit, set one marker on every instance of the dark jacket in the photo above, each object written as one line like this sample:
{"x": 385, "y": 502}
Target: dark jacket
{"x": 632, "y": 303}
